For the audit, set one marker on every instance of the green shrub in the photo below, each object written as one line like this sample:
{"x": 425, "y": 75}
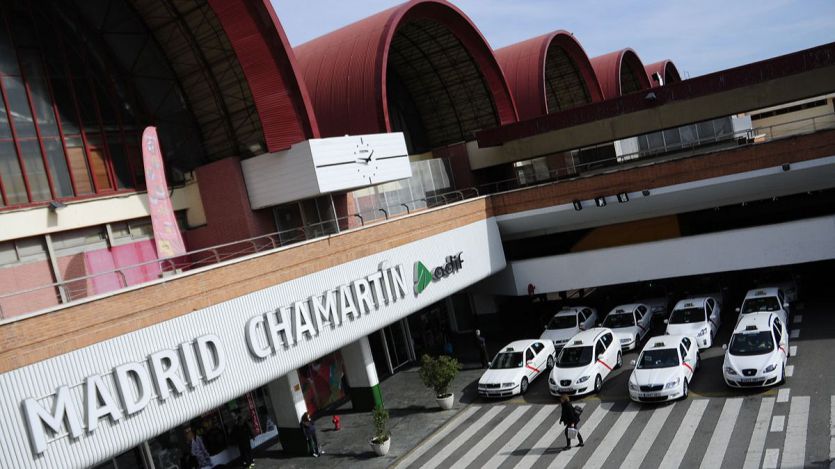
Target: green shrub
{"x": 381, "y": 424}
{"x": 438, "y": 373}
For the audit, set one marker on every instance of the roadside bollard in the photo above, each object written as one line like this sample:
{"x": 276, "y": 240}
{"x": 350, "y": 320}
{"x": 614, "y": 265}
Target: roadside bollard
{"x": 336, "y": 423}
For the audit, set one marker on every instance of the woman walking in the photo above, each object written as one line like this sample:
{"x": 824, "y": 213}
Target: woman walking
{"x": 571, "y": 418}
{"x": 310, "y": 434}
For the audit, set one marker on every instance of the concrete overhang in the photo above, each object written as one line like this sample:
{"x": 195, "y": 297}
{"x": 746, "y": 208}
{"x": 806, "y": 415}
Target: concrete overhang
{"x": 749, "y": 87}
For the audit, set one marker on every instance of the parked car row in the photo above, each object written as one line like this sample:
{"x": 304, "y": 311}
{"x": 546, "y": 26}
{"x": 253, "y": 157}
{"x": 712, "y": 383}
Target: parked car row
{"x": 579, "y": 355}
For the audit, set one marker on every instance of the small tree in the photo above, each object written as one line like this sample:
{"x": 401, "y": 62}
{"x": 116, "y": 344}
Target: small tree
{"x": 381, "y": 424}
{"x": 438, "y": 373}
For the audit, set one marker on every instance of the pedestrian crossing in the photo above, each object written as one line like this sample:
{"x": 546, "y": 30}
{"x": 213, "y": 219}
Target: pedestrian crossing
{"x": 700, "y": 432}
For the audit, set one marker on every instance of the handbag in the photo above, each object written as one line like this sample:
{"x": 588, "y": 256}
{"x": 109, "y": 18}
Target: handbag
{"x": 571, "y": 432}
{"x": 578, "y": 410}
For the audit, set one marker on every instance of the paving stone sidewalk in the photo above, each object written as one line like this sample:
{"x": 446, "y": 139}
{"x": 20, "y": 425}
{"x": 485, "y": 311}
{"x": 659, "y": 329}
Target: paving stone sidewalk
{"x": 414, "y": 416}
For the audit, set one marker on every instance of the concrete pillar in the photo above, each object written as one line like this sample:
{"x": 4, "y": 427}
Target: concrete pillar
{"x": 288, "y": 407}
{"x": 362, "y": 375}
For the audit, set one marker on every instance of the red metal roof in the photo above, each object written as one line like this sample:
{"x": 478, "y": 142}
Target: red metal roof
{"x": 612, "y": 66}
{"x": 666, "y": 68}
{"x": 346, "y": 70}
{"x": 269, "y": 64}
{"x": 524, "y": 66}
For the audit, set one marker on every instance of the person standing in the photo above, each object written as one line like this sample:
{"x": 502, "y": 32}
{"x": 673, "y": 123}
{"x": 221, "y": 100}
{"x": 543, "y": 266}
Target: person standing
{"x": 571, "y": 419}
{"x": 482, "y": 348}
{"x": 310, "y": 435}
{"x": 241, "y": 435}
{"x": 198, "y": 449}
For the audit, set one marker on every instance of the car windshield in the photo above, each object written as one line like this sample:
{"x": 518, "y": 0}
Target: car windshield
{"x": 505, "y": 360}
{"x": 751, "y": 343}
{"x": 563, "y": 322}
{"x": 687, "y": 315}
{"x": 571, "y": 357}
{"x": 755, "y": 305}
{"x": 614, "y": 321}
{"x": 663, "y": 358}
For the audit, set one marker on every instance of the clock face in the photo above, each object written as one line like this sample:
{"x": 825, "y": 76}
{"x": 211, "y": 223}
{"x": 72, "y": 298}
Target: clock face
{"x": 366, "y": 162}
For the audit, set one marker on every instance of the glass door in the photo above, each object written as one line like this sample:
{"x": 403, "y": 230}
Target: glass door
{"x": 398, "y": 342}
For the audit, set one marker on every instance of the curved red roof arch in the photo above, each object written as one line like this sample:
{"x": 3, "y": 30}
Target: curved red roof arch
{"x": 524, "y": 66}
{"x": 666, "y": 69}
{"x": 609, "y": 68}
{"x": 345, "y": 70}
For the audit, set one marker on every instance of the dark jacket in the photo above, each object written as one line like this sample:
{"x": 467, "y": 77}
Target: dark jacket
{"x": 569, "y": 415}
{"x": 242, "y": 433}
{"x": 308, "y": 428}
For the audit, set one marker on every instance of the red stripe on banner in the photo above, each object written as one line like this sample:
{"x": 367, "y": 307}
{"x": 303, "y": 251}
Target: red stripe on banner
{"x": 532, "y": 368}
{"x": 688, "y": 366}
{"x": 604, "y": 364}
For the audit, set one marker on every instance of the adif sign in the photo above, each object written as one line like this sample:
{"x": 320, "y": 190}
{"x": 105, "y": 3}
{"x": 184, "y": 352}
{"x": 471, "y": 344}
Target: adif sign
{"x": 204, "y": 360}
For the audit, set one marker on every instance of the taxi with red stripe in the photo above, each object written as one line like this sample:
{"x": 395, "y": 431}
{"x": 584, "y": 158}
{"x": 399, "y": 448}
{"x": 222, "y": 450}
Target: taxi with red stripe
{"x": 515, "y": 367}
{"x": 630, "y": 323}
{"x": 664, "y": 369}
{"x": 585, "y": 362}
{"x": 758, "y": 352}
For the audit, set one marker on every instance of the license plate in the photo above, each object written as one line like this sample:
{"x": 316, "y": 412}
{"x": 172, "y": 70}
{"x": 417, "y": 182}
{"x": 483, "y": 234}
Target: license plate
{"x": 564, "y": 389}
{"x": 749, "y": 380}
{"x": 646, "y": 394}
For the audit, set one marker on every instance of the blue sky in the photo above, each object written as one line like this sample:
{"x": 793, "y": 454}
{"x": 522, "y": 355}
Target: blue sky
{"x": 700, "y": 36}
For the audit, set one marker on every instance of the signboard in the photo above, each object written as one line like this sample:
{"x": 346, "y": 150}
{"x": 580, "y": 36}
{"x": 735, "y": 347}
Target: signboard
{"x": 167, "y": 235}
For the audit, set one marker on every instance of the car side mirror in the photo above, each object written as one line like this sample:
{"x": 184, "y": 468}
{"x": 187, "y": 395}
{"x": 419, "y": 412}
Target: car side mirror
{"x": 666, "y": 321}
{"x": 785, "y": 305}
{"x": 724, "y": 346}
{"x": 582, "y": 327}
{"x": 633, "y": 362}
{"x": 736, "y": 309}
{"x": 600, "y": 357}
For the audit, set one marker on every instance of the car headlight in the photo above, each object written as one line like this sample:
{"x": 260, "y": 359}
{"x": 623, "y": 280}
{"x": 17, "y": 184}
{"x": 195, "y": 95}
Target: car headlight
{"x": 770, "y": 368}
{"x": 703, "y": 331}
{"x": 672, "y": 384}
{"x": 582, "y": 379}
{"x": 551, "y": 380}
{"x": 508, "y": 385}
{"x": 730, "y": 370}
{"x": 633, "y": 387}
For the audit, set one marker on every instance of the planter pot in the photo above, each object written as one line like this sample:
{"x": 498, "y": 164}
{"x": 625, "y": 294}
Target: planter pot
{"x": 446, "y": 401}
{"x": 381, "y": 449}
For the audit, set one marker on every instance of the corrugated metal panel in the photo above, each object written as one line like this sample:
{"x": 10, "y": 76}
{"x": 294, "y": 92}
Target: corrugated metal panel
{"x": 609, "y": 68}
{"x": 345, "y": 70}
{"x": 524, "y": 66}
{"x": 666, "y": 68}
{"x": 269, "y": 65}
{"x": 482, "y": 255}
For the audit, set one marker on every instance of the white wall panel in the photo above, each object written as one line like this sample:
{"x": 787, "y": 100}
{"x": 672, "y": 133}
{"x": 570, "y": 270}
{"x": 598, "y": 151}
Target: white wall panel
{"x": 482, "y": 254}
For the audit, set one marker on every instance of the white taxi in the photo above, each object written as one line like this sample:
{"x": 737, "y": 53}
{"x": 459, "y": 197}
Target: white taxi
{"x": 757, "y": 354}
{"x": 567, "y": 323}
{"x": 696, "y": 317}
{"x": 584, "y": 363}
{"x": 630, "y": 323}
{"x": 515, "y": 367}
{"x": 664, "y": 369}
{"x": 765, "y": 300}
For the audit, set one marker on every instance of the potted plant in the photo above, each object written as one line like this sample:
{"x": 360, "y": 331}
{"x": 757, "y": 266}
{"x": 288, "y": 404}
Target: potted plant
{"x": 437, "y": 374}
{"x": 382, "y": 438}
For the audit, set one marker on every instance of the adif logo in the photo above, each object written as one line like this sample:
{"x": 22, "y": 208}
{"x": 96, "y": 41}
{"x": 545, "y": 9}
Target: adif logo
{"x": 423, "y": 276}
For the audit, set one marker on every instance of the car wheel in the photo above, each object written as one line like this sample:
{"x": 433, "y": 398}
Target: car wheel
{"x": 550, "y": 362}
{"x": 684, "y": 390}
{"x": 698, "y": 360}
{"x": 598, "y": 383}
{"x": 619, "y": 363}
{"x": 523, "y": 387}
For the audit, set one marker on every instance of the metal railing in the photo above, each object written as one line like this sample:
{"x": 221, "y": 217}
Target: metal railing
{"x": 78, "y": 288}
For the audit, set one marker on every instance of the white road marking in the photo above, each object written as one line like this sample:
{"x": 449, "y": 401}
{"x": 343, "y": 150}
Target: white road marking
{"x": 758, "y": 435}
{"x": 586, "y": 430}
{"x": 794, "y": 448}
{"x": 832, "y": 432}
{"x": 793, "y": 350}
{"x": 649, "y": 433}
{"x": 718, "y": 445}
{"x": 772, "y": 455}
{"x": 783, "y": 394}
{"x": 456, "y": 443}
{"x": 794, "y": 334}
{"x": 778, "y": 423}
{"x": 522, "y": 435}
{"x": 615, "y": 433}
{"x": 798, "y": 319}
{"x": 444, "y": 432}
{"x": 676, "y": 450}
{"x": 789, "y": 370}
{"x": 481, "y": 445}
